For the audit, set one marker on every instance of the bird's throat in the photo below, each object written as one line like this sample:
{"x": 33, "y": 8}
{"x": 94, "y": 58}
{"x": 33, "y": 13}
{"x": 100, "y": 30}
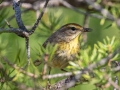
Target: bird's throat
{"x": 71, "y": 47}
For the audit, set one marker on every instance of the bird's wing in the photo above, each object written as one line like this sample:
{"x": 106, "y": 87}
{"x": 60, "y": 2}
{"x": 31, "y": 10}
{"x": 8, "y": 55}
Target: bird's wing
{"x": 52, "y": 39}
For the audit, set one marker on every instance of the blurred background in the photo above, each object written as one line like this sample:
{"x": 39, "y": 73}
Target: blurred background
{"x": 100, "y": 15}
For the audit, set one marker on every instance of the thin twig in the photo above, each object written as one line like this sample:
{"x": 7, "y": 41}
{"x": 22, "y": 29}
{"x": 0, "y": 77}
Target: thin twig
{"x": 66, "y": 4}
{"x": 62, "y": 74}
{"x": 28, "y": 52}
{"x": 85, "y": 24}
{"x": 13, "y": 16}
{"x": 19, "y": 69}
{"x": 111, "y": 82}
{"x": 106, "y": 14}
{"x": 99, "y": 8}
{"x": 22, "y": 31}
{"x": 39, "y": 18}
{"x": 88, "y": 68}
{"x": 116, "y": 69}
{"x": 8, "y": 24}
{"x": 116, "y": 82}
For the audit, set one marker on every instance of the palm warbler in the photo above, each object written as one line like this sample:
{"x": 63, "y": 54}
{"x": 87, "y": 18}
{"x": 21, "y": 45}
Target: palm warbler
{"x": 67, "y": 40}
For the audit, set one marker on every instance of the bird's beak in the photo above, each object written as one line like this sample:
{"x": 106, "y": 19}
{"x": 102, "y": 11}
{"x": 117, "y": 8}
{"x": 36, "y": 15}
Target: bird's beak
{"x": 87, "y": 29}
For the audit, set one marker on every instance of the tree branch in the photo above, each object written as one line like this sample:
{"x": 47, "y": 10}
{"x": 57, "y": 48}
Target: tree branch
{"x": 39, "y": 18}
{"x": 111, "y": 82}
{"x": 16, "y": 7}
{"x": 14, "y": 30}
{"x": 70, "y": 82}
{"x": 66, "y": 4}
{"x": 99, "y": 8}
{"x": 19, "y": 69}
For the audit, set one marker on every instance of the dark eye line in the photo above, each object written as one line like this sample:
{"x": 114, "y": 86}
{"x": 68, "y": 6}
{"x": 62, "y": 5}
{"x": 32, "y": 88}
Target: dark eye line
{"x": 73, "y": 28}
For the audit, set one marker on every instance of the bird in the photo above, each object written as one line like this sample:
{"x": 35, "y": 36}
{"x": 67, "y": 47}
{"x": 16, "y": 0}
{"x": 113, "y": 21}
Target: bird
{"x": 68, "y": 44}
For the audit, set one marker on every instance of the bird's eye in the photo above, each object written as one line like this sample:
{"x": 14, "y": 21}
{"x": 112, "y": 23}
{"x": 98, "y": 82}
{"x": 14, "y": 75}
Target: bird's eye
{"x": 73, "y": 28}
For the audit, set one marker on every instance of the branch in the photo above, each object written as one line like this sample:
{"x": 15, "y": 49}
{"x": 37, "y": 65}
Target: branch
{"x": 111, "y": 82}
{"x": 8, "y": 24}
{"x": 99, "y": 8}
{"x": 39, "y": 18}
{"x": 27, "y": 7}
{"x": 66, "y": 4}
{"x": 85, "y": 24}
{"x": 14, "y": 30}
{"x": 28, "y": 52}
{"x": 70, "y": 82}
{"x": 106, "y": 14}
{"x": 16, "y": 7}
{"x": 22, "y": 31}
{"x": 116, "y": 81}
{"x": 19, "y": 69}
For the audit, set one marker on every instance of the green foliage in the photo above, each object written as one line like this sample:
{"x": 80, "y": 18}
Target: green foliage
{"x": 96, "y": 49}
{"x": 100, "y": 50}
{"x": 49, "y": 23}
{"x": 3, "y": 15}
{"x": 93, "y": 55}
{"x": 4, "y": 75}
{"x": 49, "y": 50}
{"x": 3, "y": 45}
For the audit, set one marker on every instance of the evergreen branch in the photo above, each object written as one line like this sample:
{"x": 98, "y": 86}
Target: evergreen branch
{"x": 70, "y": 82}
{"x": 19, "y": 69}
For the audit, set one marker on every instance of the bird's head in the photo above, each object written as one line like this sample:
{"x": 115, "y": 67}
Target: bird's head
{"x": 70, "y": 31}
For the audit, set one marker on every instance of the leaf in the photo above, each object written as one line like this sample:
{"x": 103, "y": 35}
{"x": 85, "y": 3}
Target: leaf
{"x": 73, "y": 64}
{"x": 102, "y": 21}
{"x": 86, "y": 76}
{"x": 108, "y": 26}
{"x": 113, "y": 40}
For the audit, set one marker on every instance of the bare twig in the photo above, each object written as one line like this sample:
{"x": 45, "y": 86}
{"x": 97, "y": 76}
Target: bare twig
{"x": 14, "y": 30}
{"x": 103, "y": 11}
{"x": 99, "y": 8}
{"x": 106, "y": 14}
{"x": 62, "y": 74}
{"x": 66, "y": 4}
{"x": 19, "y": 69}
{"x": 111, "y": 82}
{"x": 86, "y": 20}
{"x": 117, "y": 66}
{"x": 39, "y": 18}
{"x": 116, "y": 69}
{"x": 85, "y": 24}
{"x": 23, "y": 32}
{"x": 16, "y": 7}
{"x": 116, "y": 82}
{"x": 88, "y": 68}
{"x": 8, "y": 24}
{"x": 12, "y": 16}
{"x": 28, "y": 51}
{"x": 45, "y": 58}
